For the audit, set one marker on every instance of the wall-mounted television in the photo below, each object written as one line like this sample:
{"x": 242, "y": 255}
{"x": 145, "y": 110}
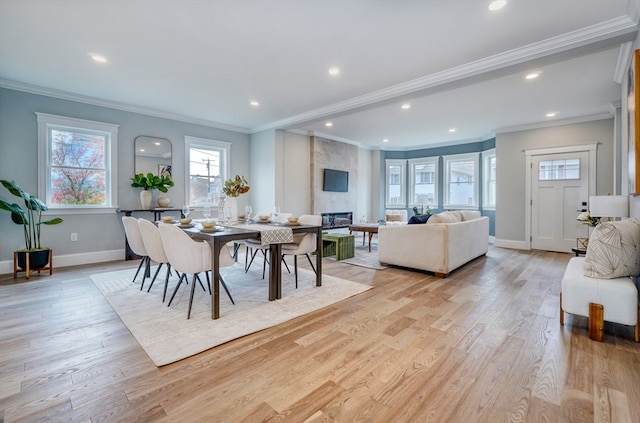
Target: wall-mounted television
{"x": 336, "y": 180}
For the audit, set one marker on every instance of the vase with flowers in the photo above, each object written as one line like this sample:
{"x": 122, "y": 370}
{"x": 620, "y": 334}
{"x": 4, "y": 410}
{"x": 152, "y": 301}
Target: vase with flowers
{"x": 591, "y": 221}
{"x": 232, "y": 188}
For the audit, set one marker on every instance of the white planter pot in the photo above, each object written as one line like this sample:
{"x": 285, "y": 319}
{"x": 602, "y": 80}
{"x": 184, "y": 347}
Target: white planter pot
{"x": 145, "y": 199}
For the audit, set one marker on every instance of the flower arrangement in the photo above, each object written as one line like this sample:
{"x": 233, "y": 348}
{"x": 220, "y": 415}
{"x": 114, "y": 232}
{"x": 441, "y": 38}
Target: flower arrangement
{"x": 585, "y": 217}
{"x": 236, "y": 186}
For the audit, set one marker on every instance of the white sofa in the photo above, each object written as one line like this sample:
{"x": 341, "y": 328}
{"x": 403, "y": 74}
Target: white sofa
{"x": 447, "y": 241}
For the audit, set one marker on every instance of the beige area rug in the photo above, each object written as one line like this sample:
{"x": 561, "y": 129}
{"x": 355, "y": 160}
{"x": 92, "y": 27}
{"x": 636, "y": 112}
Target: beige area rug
{"x": 363, "y": 257}
{"x": 167, "y": 336}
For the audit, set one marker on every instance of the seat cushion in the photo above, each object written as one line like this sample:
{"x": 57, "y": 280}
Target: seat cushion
{"x": 614, "y": 250}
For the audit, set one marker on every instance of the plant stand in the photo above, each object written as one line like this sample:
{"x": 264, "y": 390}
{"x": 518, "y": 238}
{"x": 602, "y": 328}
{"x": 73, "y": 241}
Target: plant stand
{"x": 28, "y": 271}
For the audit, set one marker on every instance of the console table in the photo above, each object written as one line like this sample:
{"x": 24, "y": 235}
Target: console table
{"x": 157, "y": 215}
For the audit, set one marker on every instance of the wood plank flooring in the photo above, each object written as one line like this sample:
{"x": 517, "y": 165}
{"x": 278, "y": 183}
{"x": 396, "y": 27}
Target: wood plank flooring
{"x": 483, "y": 345}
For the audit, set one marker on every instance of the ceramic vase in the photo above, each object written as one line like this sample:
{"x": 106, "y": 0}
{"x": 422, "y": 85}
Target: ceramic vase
{"x": 163, "y": 201}
{"x": 231, "y": 204}
{"x": 145, "y": 199}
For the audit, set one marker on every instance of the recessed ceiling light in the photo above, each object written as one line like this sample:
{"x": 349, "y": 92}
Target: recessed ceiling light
{"x": 334, "y": 70}
{"x": 385, "y": 140}
{"x": 156, "y": 143}
{"x": 452, "y": 130}
{"x": 328, "y": 124}
{"x": 98, "y": 58}
{"x": 254, "y": 103}
{"x": 551, "y": 114}
{"x": 532, "y": 75}
{"x": 406, "y": 106}
{"x": 497, "y": 5}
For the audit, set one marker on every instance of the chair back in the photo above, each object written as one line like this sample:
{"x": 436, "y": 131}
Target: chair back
{"x": 152, "y": 241}
{"x": 134, "y": 238}
{"x": 185, "y": 254}
{"x": 307, "y": 244}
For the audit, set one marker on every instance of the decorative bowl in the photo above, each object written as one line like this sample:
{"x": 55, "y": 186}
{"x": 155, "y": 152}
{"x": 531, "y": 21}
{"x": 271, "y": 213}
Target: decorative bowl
{"x": 293, "y": 219}
{"x": 208, "y": 225}
{"x": 167, "y": 219}
{"x": 185, "y": 221}
{"x": 264, "y": 218}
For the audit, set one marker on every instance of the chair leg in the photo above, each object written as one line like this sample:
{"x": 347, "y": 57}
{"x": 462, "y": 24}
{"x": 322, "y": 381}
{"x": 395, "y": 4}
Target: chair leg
{"x": 166, "y": 282}
{"x": 311, "y": 263}
{"x": 147, "y": 270}
{"x": 295, "y": 268}
{"x": 208, "y": 282}
{"x": 264, "y": 263}
{"x": 253, "y": 256}
{"x": 143, "y": 261}
{"x": 200, "y": 282}
{"x": 176, "y": 289}
{"x": 285, "y": 264}
{"x": 154, "y": 276}
{"x": 224, "y": 285}
{"x": 193, "y": 288}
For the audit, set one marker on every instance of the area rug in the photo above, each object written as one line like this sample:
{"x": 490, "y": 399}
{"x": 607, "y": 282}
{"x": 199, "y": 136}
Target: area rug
{"x": 167, "y": 336}
{"x": 363, "y": 257}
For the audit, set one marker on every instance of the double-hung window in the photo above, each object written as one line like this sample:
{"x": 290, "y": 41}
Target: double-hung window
{"x": 461, "y": 180}
{"x": 423, "y": 188}
{"x": 207, "y": 169}
{"x": 395, "y": 183}
{"x": 489, "y": 179}
{"x": 77, "y": 162}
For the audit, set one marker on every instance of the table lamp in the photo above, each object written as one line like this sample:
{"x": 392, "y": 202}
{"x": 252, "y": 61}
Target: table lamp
{"x": 609, "y": 206}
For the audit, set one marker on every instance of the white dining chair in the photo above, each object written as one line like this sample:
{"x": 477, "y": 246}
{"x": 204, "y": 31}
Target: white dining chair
{"x": 189, "y": 256}
{"x": 304, "y": 244}
{"x": 254, "y": 245}
{"x": 153, "y": 244}
{"x": 134, "y": 238}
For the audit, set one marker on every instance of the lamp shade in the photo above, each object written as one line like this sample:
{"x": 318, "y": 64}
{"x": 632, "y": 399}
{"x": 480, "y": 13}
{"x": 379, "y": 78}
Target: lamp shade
{"x": 609, "y": 206}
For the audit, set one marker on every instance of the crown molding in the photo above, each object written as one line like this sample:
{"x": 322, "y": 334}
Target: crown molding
{"x": 559, "y": 122}
{"x": 623, "y": 62}
{"x": 94, "y": 101}
{"x": 609, "y": 30}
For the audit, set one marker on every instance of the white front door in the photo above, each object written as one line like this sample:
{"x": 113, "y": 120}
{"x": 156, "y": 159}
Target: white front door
{"x": 559, "y": 192}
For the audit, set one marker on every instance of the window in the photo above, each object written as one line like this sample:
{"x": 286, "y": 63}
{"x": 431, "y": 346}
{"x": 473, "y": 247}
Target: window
{"x": 461, "y": 181}
{"x": 489, "y": 179}
{"x": 424, "y": 182}
{"x": 76, "y": 162}
{"x": 395, "y": 183}
{"x": 556, "y": 170}
{"x": 206, "y": 170}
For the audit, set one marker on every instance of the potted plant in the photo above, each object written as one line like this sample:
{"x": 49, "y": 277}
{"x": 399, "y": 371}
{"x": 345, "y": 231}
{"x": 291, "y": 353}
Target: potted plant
{"x": 147, "y": 183}
{"x": 232, "y": 189}
{"x": 31, "y": 220}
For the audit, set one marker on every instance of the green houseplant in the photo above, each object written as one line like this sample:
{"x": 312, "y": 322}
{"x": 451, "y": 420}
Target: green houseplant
{"x": 149, "y": 182}
{"x": 30, "y": 217}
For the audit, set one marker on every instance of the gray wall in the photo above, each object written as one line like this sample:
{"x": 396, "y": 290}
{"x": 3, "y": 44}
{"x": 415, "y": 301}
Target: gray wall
{"x": 102, "y": 232}
{"x": 510, "y": 157}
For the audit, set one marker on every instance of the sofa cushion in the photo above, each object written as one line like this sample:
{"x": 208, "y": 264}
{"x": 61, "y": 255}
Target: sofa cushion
{"x": 614, "y": 250}
{"x": 469, "y": 214}
{"x": 445, "y": 217}
{"x": 422, "y": 218}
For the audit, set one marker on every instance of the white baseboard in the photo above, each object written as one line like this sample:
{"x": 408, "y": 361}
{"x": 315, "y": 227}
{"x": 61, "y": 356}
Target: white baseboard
{"x": 506, "y": 243}
{"x": 73, "y": 259}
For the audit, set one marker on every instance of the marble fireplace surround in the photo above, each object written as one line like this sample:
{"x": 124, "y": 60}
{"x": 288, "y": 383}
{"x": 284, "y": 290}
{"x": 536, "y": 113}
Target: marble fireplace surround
{"x": 331, "y": 154}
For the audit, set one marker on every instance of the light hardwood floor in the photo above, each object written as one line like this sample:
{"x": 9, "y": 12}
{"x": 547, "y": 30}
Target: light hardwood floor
{"x": 483, "y": 345}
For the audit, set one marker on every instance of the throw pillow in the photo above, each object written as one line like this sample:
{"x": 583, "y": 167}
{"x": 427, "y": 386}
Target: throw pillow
{"x": 419, "y": 219}
{"x": 394, "y": 218}
{"x": 469, "y": 214}
{"x": 614, "y": 250}
{"x": 445, "y": 217}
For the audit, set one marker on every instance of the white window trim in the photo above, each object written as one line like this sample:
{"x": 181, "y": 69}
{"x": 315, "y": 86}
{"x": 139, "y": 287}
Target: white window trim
{"x": 44, "y": 157}
{"x": 486, "y": 156}
{"x": 190, "y": 142}
{"x": 403, "y": 178}
{"x": 454, "y": 158}
{"x": 424, "y": 160}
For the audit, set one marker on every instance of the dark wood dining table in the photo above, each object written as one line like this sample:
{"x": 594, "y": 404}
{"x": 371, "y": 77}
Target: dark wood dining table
{"x": 232, "y": 233}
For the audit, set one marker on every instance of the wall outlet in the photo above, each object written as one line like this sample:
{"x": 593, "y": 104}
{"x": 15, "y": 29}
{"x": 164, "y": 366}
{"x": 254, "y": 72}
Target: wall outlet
{"x": 74, "y": 236}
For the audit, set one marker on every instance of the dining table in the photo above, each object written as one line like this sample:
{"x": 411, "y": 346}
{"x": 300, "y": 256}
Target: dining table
{"x": 229, "y": 232}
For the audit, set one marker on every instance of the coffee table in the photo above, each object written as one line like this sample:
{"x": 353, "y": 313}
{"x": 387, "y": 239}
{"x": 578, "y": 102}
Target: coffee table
{"x": 365, "y": 228}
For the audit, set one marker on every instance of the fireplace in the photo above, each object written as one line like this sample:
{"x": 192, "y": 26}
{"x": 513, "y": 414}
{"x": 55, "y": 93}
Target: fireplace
{"x": 336, "y": 220}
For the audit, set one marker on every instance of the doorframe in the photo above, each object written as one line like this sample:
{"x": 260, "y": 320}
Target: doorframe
{"x": 591, "y": 149}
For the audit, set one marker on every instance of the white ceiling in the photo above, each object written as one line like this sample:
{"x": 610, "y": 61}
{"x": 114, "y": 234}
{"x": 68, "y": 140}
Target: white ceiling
{"x": 457, "y": 64}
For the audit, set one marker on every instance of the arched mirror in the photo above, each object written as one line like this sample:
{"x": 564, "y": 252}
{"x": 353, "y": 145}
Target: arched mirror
{"x": 153, "y": 155}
